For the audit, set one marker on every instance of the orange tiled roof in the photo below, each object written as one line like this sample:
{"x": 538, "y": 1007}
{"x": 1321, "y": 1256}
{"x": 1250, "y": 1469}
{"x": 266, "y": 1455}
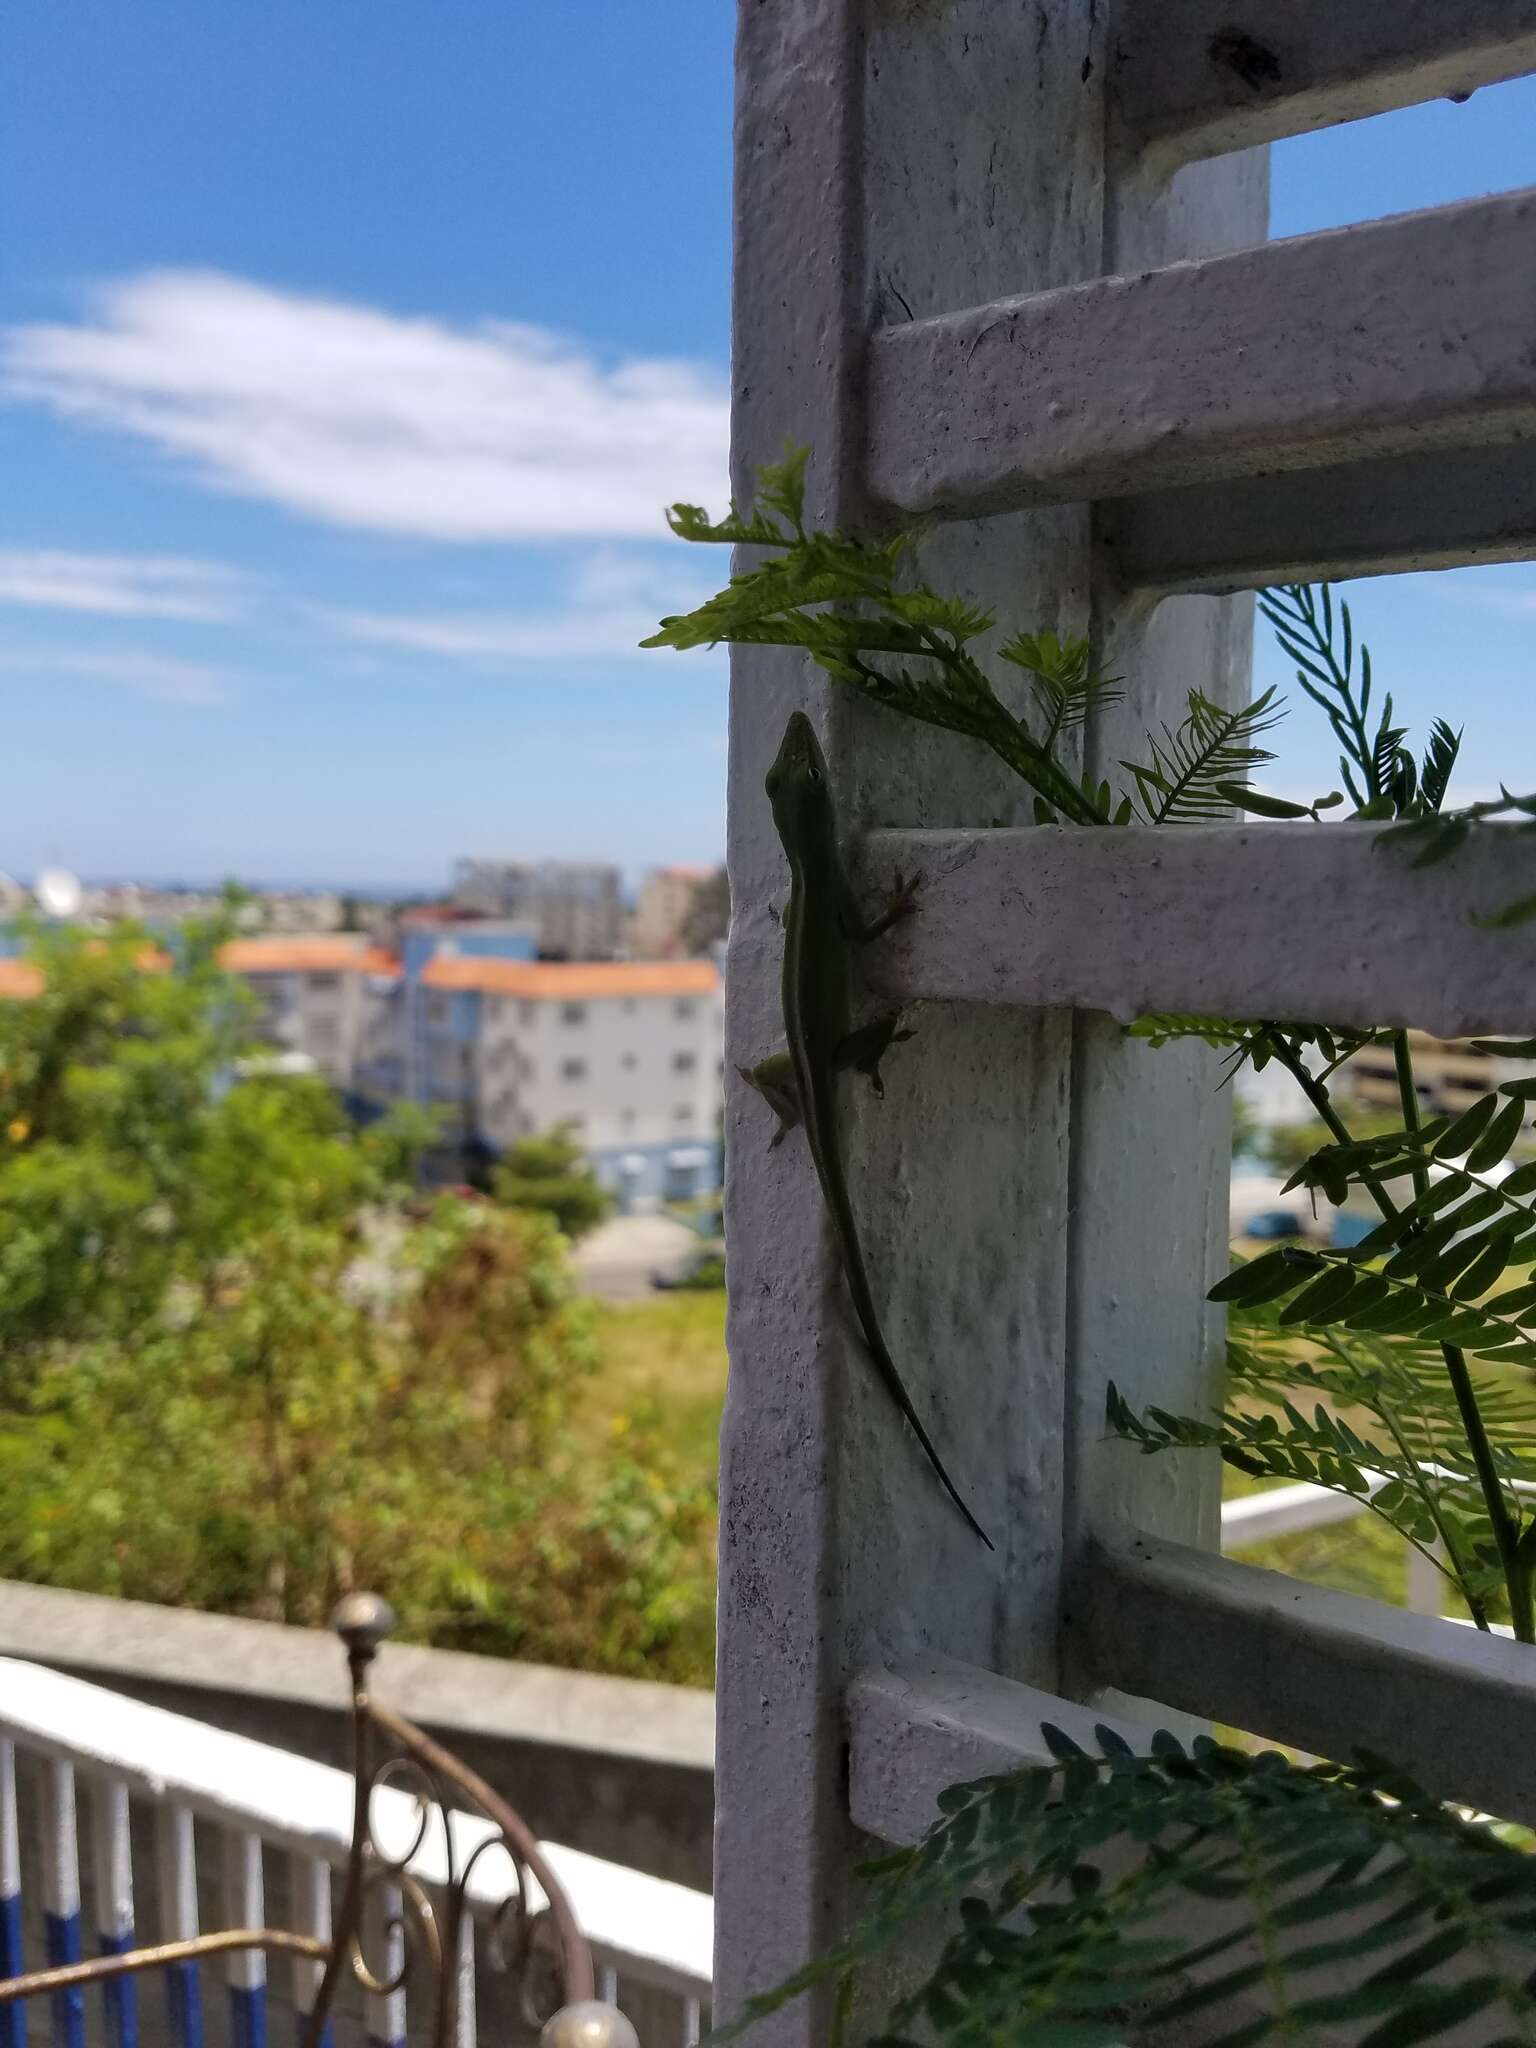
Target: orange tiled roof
{"x": 320, "y": 955}
{"x": 22, "y": 979}
{"x": 19, "y": 978}
{"x": 571, "y": 980}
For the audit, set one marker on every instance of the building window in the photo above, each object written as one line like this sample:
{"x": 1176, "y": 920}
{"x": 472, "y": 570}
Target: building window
{"x": 684, "y": 1062}
{"x": 573, "y": 1070}
{"x": 437, "y": 1010}
{"x": 526, "y": 1013}
{"x": 627, "y": 1120}
{"x": 324, "y": 982}
{"x": 629, "y": 1006}
{"x": 576, "y": 1125}
{"x": 629, "y": 1062}
{"x": 573, "y": 1013}
{"x": 682, "y": 1010}
{"x": 683, "y": 1114}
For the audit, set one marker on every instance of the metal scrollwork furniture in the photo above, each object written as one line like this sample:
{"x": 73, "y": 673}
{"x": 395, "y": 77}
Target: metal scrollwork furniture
{"x": 405, "y": 1910}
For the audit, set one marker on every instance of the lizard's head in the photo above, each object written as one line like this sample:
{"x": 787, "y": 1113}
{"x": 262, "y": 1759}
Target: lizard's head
{"x": 797, "y": 783}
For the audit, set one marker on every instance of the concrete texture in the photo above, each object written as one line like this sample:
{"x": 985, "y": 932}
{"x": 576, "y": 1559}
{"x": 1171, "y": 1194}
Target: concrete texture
{"x": 1385, "y": 339}
{"x": 896, "y": 161}
{"x": 1214, "y": 75}
{"x": 615, "y": 1766}
{"x": 1325, "y": 1671}
{"x": 1178, "y": 919}
{"x": 1386, "y": 518}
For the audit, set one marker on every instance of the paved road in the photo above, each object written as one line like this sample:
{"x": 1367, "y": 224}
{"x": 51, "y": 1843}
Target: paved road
{"x": 617, "y": 1260}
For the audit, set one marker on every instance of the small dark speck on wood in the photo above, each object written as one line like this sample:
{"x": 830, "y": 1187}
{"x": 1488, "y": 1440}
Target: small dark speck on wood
{"x": 1246, "y": 57}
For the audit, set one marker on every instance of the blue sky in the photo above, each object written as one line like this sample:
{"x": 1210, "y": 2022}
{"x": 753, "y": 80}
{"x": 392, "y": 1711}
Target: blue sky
{"x": 346, "y": 359}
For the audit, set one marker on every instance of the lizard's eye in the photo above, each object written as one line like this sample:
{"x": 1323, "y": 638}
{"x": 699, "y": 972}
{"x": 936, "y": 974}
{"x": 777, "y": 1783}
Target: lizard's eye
{"x": 815, "y": 775}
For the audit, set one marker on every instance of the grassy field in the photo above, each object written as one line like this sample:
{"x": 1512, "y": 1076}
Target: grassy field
{"x": 664, "y": 1374}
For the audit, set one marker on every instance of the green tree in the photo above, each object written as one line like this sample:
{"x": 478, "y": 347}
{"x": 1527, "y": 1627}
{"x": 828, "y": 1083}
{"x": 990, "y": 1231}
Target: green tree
{"x": 550, "y": 1173}
{"x": 243, "y": 1369}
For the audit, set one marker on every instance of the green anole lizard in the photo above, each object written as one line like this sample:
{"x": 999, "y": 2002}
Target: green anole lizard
{"x": 821, "y": 924}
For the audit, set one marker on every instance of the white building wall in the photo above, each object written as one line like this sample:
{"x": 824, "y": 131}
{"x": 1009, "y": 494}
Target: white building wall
{"x": 626, "y": 1071}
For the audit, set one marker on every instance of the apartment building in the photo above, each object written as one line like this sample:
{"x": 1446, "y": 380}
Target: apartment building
{"x": 576, "y": 908}
{"x": 666, "y": 900}
{"x": 464, "y": 1021}
{"x": 628, "y": 1053}
{"x": 313, "y": 995}
{"x": 1450, "y": 1074}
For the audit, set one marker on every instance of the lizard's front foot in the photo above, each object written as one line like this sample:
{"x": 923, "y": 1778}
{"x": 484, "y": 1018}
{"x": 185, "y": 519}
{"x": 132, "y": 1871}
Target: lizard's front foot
{"x": 901, "y": 903}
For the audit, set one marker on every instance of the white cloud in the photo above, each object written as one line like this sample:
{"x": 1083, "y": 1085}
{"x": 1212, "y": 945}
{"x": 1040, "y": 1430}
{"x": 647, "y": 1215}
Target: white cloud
{"x": 613, "y": 602}
{"x": 366, "y": 419}
{"x": 126, "y": 586}
{"x": 156, "y": 676}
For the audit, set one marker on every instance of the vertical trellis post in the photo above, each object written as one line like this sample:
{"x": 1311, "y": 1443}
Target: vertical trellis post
{"x": 898, "y": 159}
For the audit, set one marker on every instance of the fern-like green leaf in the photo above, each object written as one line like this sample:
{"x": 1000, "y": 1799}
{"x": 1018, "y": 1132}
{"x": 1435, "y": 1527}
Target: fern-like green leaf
{"x": 1344, "y": 1894}
{"x": 1214, "y": 746}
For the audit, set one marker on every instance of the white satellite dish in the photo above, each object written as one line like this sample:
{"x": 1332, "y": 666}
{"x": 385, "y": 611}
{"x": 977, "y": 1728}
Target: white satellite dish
{"x": 58, "y": 892}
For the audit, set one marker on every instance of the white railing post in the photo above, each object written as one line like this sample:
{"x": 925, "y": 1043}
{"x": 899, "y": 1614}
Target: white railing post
{"x": 112, "y": 1866}
{"x": 384, "y": 1953}
{"x": 176, "y": 1871}
{"x": 466, "y": 2015}
{"x": 61, "y": 1896}
{"x": 309, "y": 1880}
{"x": 245, "y": 1969}
{"x": 13, "y": 2018}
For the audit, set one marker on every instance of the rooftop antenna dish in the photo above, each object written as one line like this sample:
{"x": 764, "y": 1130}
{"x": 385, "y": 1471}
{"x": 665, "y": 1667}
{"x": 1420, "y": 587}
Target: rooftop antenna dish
{"x": 58, "y": 892}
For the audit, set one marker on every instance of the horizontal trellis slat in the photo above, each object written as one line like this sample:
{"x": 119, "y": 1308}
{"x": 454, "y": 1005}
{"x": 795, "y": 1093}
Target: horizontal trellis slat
{"x": 1405, "y": 335}
{"x": 915, "y": 1730}
{"x": 1182, "y": 919}
{"x": 1203, "y": 77}
{"x": 1325, "y": 1671}
{"x": 1439, "y": 511}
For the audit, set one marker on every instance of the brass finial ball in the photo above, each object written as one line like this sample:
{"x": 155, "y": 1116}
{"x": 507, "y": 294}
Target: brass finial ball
{"x": 589, "y": 2025}
{"x": 362, "y": 1621}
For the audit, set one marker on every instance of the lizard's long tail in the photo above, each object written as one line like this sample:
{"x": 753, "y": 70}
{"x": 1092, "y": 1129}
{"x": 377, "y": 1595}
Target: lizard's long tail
{"x": 885, "y": 1365}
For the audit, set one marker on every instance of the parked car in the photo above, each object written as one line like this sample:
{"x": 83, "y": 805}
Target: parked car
{"x": 1275, "y": 1223}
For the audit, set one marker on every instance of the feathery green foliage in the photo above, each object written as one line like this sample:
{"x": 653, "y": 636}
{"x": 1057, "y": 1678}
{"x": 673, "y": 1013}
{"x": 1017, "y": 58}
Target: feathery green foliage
{"x": 909, "y": 648}
{"x": 1347, "y": 1368}
{"x": 1326, "y": 1897}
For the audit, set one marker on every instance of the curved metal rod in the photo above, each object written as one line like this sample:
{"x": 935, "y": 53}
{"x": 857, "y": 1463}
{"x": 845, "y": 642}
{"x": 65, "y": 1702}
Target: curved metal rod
{"x": 419, "y": 1784}
{"x": 575, "y": 1955}
{"x": 276, "y": 1939}
{"x": 420, "y": 1924}
{"x": 349, "y": 1917}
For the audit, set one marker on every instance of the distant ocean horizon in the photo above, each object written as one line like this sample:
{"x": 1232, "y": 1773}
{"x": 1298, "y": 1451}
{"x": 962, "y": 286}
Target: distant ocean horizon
{"x": 373, "y": 892}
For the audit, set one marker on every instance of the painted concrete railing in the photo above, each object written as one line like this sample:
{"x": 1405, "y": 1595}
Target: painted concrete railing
{"x": 158, "y": 1783}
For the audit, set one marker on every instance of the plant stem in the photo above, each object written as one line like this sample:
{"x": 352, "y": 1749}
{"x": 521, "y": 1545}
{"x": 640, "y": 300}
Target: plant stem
{"x": 1322, "y": 1102}
{"x": 1476, "y": 1605}
{"x": 1408, "y": 1096}
{"x": 1506, "y": 1527}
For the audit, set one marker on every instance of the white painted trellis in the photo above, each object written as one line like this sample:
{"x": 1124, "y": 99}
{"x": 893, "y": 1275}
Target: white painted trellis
{"x": 999, "y": 263}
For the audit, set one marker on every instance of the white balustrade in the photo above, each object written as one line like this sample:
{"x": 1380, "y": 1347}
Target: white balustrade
{"x": 646, "y": 1933}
